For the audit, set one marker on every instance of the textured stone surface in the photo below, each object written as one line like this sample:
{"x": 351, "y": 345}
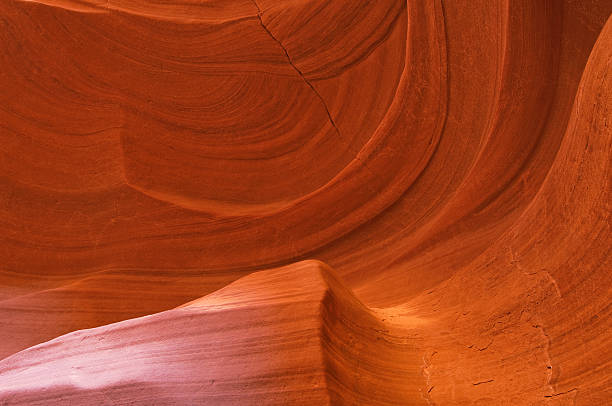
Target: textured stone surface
{"x": 170, "y": 170}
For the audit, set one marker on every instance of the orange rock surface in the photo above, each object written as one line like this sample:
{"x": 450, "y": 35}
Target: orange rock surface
{"x": 236, "y": 202}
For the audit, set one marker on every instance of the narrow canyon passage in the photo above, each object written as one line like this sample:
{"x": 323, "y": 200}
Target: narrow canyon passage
{"x": 222, "y": 202}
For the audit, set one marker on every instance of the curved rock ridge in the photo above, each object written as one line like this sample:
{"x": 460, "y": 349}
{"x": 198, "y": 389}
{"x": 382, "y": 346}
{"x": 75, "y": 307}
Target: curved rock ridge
{"x": 174, "y": 176}
{"x": 293, "y": 335}
{"x": 548, "y": 342}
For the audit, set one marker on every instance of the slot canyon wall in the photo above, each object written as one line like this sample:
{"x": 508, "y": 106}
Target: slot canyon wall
{"x": 240, "y": 202}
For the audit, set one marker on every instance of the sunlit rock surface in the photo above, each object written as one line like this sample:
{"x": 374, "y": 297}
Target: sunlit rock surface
{"x": 305, "y": 202}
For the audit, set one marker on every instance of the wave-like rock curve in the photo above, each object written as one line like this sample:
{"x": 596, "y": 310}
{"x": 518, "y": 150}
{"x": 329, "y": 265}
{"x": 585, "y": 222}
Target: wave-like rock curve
{"x": 450, "y": 162}
{"x": 293, "y": 335}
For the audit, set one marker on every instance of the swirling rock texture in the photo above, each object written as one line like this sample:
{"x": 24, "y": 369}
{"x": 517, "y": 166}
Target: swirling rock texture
{"x": 394, "y": 202}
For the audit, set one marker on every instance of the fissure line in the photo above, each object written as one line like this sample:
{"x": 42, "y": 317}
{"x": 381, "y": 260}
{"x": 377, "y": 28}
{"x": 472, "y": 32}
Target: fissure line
{"x": 299, "y": 72}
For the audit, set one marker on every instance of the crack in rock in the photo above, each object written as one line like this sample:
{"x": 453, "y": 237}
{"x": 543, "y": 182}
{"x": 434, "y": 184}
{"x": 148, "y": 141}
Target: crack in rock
{"x": 561, "y": 393}
{"x": 481, "y": 382}
{"x": 299, "y": 72}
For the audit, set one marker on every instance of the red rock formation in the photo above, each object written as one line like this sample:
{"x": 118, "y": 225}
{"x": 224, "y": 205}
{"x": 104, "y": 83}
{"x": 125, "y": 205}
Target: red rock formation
{"x": 450, "y": 162}
{"x": 290, "y": 335}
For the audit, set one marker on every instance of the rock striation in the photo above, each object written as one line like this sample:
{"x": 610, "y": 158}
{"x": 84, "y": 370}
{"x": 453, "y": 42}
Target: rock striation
{"x": 293, "y": 335}
{"x": 395, "y": 202}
